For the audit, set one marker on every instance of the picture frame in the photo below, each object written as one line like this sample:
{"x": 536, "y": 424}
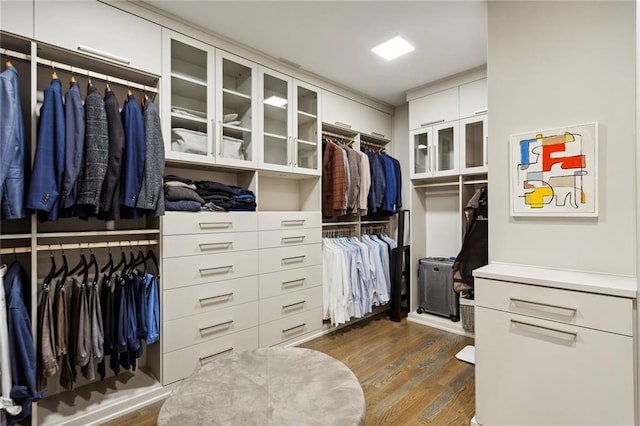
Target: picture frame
{"x": 554, "y": 172}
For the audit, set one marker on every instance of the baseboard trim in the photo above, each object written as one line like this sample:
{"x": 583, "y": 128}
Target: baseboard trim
{"x": 439, "y": 323}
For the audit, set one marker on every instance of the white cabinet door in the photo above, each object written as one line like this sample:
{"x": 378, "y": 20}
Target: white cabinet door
{"x": 474, "y": 98}
{"x": 375, "y": 123}
{"x": 474, "y": 144}
{"x": 446, "y": 152}
{"x": 340, "y": 111}
{"x": 17, "y": 17}
{"x": 236, "y": 142}
{"x": 275, "y": 128}
{"x": 188, "y": 82}
{"x": 421, "y": 153}
{"x": 434, "y": 109}
{"x": 307, "y": 128}
{"x": 537, "y": 372}
{"x": 100, "y": 31}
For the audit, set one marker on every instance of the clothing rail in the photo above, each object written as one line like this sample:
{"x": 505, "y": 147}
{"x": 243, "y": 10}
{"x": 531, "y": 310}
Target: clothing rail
{"x": 14, "y": 54}
{"x": 373, "y": 229}
{"x": 335, "y": 135}
{"x": 96, "y": 75}
{"x": 331, "y": 233}
{"x": 372, "y": 145}
{"x": 15, "y": 250}
{"x": 92, "y": 245}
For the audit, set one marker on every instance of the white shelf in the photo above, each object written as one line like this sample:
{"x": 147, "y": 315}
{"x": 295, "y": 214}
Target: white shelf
{"x": 102, "y": 400}
{"x": 237, "y": 94}
{"x": 15, "y": 237}
{"x": 304, "y": 142}
{"x": 306, "y": 118}
{"x": 274, "y": 136}
{"x": 188, "y": 78}
{"x": 97, "y": 233}
{"x": 187, "y": 119}
{"x": 237, "y": 128}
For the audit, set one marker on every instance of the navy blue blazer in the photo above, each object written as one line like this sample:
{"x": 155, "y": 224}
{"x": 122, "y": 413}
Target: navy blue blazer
{"x": 74, "y": 145}
{"x": 48, "y": 166}
{"x": 134, "y": 152}
{"x": 13, "y": 146}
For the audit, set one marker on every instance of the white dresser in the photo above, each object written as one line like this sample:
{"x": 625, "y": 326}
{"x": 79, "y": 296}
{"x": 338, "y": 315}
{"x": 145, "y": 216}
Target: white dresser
{"x": 210, "y": 288}
{"x": 290, "y": 264}
{"x": 553, "y": 347}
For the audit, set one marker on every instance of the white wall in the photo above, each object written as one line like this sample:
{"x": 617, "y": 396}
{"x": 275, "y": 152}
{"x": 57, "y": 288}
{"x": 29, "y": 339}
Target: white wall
{"x": 554, "y": 64}
{"x": 400, "y": 151}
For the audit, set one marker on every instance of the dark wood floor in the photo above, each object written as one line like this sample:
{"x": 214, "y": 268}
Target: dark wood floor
{"x": 408, "y": 372}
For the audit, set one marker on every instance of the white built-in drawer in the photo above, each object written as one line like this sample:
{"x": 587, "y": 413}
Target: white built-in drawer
{"x": 292, "y": 280}
{"x": 600, "y": 312}
{"x": 135, "y": 42}
{"x": 190, "y": 270}
{"x": 188, "y": 245}
{"x": 289, "y": 304}
{"x": 181, "y": 363}
{"x": 291, "y": 327}
{"x": 289, "y": 237}
{"x": 187, "y": 331}
{"x": 281, "y": 258}
{"x": 289, "y": 220}
{"x": 185, "y": 301}
{"x": 178, "y": 223}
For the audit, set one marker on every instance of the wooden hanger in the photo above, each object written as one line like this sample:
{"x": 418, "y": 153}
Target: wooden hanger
{"x": 72, "y": 80}
{"x": 54, "y": 75}
{"x": 8, "y": 64}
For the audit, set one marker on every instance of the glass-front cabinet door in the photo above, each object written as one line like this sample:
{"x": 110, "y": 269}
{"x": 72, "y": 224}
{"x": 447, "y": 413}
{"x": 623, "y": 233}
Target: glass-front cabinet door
{"x": 473, "y": 143}
{"x": 189, "y": 80}
{"x": 421, "y": 153}
{"x": 446, "y": 149}
{"x": 307, "y": 127}
{"x": 236, "y": 99}
{"x": 276, "y": 130}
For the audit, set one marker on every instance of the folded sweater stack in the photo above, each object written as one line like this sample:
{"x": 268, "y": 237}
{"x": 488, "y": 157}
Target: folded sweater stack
{"x": 182, "y": 194}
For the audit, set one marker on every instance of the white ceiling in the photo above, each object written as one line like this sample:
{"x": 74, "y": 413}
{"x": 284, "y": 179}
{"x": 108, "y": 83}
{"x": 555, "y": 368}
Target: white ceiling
{"x": 333, "y": 39}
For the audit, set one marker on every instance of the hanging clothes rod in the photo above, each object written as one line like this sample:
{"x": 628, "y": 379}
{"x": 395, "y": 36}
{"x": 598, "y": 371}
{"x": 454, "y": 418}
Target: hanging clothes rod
{"x": 335, "y": 135}
{"x": 372, "y": 144}
{"x": 92, "y": 245}
{"x": 15, "y": 250}
{"x": 14, "y": 54}
{"x": 96, "y": 75}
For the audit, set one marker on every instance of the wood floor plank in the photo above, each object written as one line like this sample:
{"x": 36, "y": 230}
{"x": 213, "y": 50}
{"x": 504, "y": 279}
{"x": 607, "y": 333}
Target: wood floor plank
{"x": 408, "y": 372}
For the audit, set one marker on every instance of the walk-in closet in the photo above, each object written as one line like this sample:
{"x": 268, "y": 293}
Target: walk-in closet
{"x": 435, "y": 202}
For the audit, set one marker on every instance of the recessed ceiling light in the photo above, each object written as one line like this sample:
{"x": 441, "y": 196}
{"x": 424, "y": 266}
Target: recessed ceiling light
{"x": 275, "y": 101}
{"x": 393, "y": 48}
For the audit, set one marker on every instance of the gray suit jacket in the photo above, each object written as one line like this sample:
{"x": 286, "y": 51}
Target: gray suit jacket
{"x": 96, "y": 149}
{"x": 151, "y": 195}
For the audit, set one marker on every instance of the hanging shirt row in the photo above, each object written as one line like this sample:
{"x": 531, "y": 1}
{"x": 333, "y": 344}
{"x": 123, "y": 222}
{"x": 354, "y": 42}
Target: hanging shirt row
{"x": 356, "y": 275}
{"x": 112, "y": 318}
{"x": 91, "y": 158}
{"x": 359, "y": 182}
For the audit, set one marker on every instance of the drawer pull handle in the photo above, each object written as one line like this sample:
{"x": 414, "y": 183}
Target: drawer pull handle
{"x": 287, "y": 330}
{"x": 293, "y": 222}
{"x": 105, "y": 55}
{"x": 205, "y": 359}
{"x": 293, "y": 283}
{"x": 380, "y": 135}
{"x": 287, "y": 240}
{"x": 214, "y": 225}
{"x": 294, "y": 259}
{"x": 573, "y": 334}
{"x": 345, "y": 125}
{"x": 211, "y": 327}
{"x": 481, "y": 111}
{"x": 547, "y": 305}
{"x": 287, "y": 307}
{"x": 431, "y": 122}
{"x": 215, "y": 246}
{"x": 211, "y": 299}
{"x": 216, "y": 270}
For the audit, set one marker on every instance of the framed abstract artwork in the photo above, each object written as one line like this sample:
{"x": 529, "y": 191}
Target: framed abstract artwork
{"x": 555, "y": 172}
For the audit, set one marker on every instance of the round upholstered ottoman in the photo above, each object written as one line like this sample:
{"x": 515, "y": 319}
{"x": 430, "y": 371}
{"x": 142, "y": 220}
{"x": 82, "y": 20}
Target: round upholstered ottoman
{"x": 269, "y": 386}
